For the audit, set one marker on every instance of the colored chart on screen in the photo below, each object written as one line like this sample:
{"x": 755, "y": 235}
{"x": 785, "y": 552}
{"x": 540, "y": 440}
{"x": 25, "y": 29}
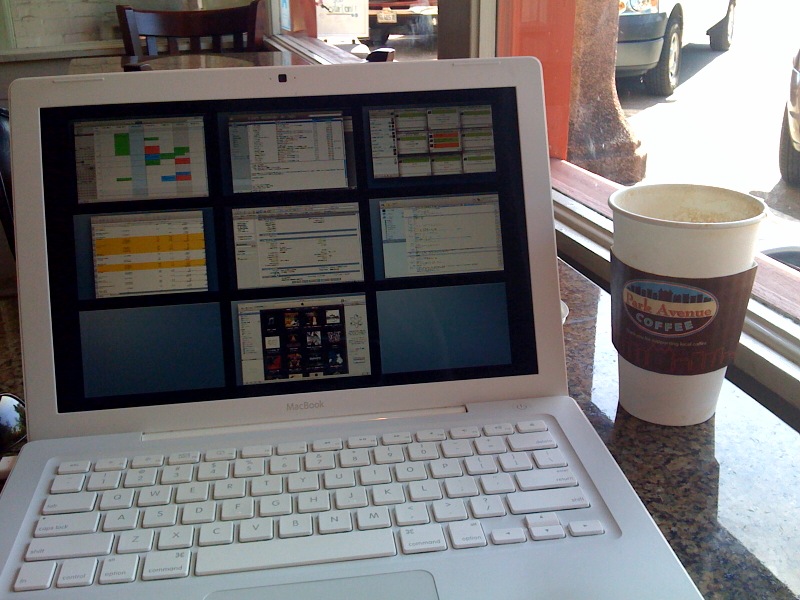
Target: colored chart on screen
{"x": 149, "y": 253}
{"x": 140, "y": 159}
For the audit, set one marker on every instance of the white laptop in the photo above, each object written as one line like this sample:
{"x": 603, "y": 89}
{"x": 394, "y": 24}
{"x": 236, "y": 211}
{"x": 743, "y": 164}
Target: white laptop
{"x": 295, "y": 332}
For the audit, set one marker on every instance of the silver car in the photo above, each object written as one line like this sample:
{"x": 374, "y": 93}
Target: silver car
{"x": 789, "y": 155}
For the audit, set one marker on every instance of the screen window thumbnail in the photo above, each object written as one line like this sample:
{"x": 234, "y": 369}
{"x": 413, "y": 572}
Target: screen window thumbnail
{"x": 297, "y": 245}
{"x": 140, "y": 159}
{"x": 302, "y": 339}
{"x": 441, "y": 235}
{"x": 428, "y": 141}
{"x": 148, "y": 253}
{"x": 289, "y": 152}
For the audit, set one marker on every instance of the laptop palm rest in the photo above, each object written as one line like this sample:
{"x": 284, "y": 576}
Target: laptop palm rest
{"x": 393, "y": 586}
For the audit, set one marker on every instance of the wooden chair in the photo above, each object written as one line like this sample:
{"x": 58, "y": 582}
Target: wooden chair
{"x": 245, "y": 24}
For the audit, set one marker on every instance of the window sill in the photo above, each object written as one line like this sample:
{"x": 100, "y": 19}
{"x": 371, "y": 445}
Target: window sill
{"x": 768, "y": 359}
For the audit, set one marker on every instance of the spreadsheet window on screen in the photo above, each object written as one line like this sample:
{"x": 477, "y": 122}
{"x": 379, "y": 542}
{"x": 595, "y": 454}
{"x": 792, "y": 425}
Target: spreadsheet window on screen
{"x": 363, "y": 241}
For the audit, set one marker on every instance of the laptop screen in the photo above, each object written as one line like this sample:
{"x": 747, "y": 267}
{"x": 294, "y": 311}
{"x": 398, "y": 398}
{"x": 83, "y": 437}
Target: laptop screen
{"x": 252, "y": 247}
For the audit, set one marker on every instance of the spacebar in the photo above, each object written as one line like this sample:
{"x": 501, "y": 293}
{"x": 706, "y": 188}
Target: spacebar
{"x": 272, "y": 554}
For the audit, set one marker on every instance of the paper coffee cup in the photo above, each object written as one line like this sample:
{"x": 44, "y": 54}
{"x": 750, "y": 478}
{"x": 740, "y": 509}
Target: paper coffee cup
{"x": 682, "y": 272}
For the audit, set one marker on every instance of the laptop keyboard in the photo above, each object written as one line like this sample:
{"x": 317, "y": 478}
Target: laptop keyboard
{"x": 123, "y": 519}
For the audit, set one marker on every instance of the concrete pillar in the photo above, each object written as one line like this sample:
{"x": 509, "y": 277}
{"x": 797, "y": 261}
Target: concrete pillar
{"x": 600, "y": 139}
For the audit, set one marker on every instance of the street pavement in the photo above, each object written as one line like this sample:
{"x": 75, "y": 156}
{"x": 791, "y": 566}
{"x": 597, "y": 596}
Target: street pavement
{"x": 722, "y": 125}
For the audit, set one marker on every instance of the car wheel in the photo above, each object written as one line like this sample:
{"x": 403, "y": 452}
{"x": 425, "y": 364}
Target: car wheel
{"x": 721, "y": 35}
{"x": 788, "y": 157}
{"x": 663, "y": 78}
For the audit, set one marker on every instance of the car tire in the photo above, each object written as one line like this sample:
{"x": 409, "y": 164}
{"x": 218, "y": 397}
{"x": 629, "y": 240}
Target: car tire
{"x": 788, "y": 157}
{"x": 721, "y": 35}
{"x": 662, "y": 79}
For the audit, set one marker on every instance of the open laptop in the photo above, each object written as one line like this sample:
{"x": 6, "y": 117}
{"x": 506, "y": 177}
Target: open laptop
{"x": 295, "y": 332}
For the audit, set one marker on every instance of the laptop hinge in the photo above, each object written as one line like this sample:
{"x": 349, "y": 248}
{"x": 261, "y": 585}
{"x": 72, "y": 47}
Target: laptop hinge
{"x": 235, "y": 429}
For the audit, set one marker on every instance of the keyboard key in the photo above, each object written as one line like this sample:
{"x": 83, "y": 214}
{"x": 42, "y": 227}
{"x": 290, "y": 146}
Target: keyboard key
{"x": 175, "y": 538}
{"x": 71, "y": 546}
{"x": 191, "y": 492}
{"x": 415, "y": 513}
{"x": 460, "y": 433}
{"x": 249, "y": 467}
{"x": 231, "y": 488}
{"x": 374, "y": 517}
{"x": 457, "y": 448}
{"x": 78, "y": 572}
{"x": 484, "y": 507}
{"x": 237, "y": 509}
{"x": 287, "y": 448}
{"x": 327, "y": 445}
{"x": 491, "y": 445}
{"x": 531, "y": 426}
{"x": 138, "y": 541}
{"x": 548, "y": 532}
{"x": 256, "y": 451}
{"x": 198, "y": 512}
{"x": 276, "y": 553}
{"x": 546, "y": 478}
{"x": 74, "y": 466}
{"x": 339, "y": 478}
{"x": 335, "y": 521}
{"x": 121, "y": 520}
{"x": 157, "y": 495}
{"x": 531, "y": 441}
{"x": 117, "y": 499}
{"x": 423, "y": 451}
{"x": 119, "y": 569}
{"x": 48, "y": 526}
{"x": 140, "y": 478}
{"x": 69, "y": 503}
{"x": 220, "y": 454}
{"x": 431, "y": 435}
{"x": 35, "y": 576}
{"x": 215, "y": 533}
{"x": 162, "y": 516}
{"x": 362, "y": 441}
{"x": 177, "y": 474}
{"x": 292, "y": 526}
{"x": 145, "y": 461}
{"x": 256, "y": 530}
{"x": 508, "y": 535}
{"x": 184, "y": 458}
{"x": 467, "y": 534}
{"x": 213, "y": 471}
{"x": 422, "y": 538}
{"x": 111, "y": 464}
{"x": 166, "y": 565}
{"x": 549, "y": 459}
{"x": 351, "y": 498}
{"x": 103, "y": 481}
{"x": 546, "y": 500}
{"x": 584, "y": 528}
{"x": 449, "y": 510}
{"x": 499, "y": 429}
{"x": 514, "y": 461}
{"x": 396, "y": 438}
{"x": 498, "y": 483}
{"x": 65, "y": 484}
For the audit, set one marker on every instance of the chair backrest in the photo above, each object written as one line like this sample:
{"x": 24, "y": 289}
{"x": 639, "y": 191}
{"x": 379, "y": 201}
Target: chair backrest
{"x": 6, "y": 214}
{"x": 245, "y": 24}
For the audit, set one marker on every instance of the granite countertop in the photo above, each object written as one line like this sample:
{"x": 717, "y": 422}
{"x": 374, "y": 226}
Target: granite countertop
{"x": 725, "y": 494}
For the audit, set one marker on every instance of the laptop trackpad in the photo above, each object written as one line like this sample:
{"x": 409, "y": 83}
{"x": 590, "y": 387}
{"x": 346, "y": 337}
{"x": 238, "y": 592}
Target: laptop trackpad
{"x": 393, "y": 586}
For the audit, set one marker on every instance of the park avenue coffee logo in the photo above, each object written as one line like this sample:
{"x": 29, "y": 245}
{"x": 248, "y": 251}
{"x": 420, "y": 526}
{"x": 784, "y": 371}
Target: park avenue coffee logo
{"x": 668, "y": 310}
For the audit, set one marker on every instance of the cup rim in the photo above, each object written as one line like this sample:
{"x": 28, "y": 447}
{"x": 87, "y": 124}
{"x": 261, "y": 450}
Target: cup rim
{"x": 613, "y": 202}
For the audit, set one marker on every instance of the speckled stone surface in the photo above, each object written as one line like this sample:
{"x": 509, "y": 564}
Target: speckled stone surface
{"x": 725, "y": 494}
